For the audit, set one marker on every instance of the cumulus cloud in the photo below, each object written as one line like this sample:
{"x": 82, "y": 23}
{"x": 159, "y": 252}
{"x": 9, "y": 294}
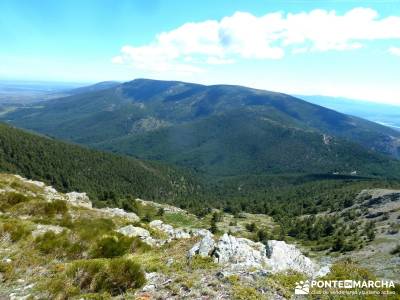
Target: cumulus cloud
{"x": 394, "y": 51}
{"x": 245, "y": 36}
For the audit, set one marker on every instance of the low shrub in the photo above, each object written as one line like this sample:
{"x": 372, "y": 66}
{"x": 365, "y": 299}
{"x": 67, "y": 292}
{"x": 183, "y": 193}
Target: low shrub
{"x": 54, "y": 208}
{"x": 7, "y": 271}
{"x": 110, "y": 246}
{"x": 245, "y": 293}
{"x": 197, "y": 262}
{"x": 114, "y": 276}
{"x": 58, "y": 244}
{"x": 8, "y": 200}
{"x": 15, "y": 229}
{"x": 285, "y": 282}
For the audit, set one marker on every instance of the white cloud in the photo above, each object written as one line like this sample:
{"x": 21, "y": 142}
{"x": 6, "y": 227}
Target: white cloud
{"x": 189, "y": 47}
{"x": 394, "y": 51}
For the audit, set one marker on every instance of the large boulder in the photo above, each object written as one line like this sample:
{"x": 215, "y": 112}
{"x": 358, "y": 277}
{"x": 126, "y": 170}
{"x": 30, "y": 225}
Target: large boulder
{"x": 287, "y": 257}
{"x": 239, "y": 251}
{"x": 143, "y": 234}
{"x": 133, "y": 231}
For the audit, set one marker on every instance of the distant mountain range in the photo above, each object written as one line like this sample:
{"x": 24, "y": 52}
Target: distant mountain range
{"x": 385, "y": 114}
{"x": 21, "y": 92}
{"x": 220, "y": 130}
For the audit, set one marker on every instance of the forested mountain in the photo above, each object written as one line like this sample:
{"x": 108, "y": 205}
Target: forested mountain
{"x": 69, "y": 167}
{"x": 219, "y": 130}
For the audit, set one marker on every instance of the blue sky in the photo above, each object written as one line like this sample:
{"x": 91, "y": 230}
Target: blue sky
{"x": 338, "y": 48}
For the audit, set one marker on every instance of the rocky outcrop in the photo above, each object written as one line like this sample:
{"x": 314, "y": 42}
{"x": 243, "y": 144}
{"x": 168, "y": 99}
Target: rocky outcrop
{"x": 78, "y": 199}
{"x": 203, "y": 248}
{"x": 172, "y": 233}
{"x": 241, "y": 253}
{"x": 378, "y": 196}
{"x": 288, "y": 257}
{"x": 42, "y": 229}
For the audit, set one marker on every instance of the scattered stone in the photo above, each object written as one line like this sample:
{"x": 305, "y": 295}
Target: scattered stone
{"x": 169, "y": 262}
{"x": 118, "y": 212}
{"x": 172, "y": 233}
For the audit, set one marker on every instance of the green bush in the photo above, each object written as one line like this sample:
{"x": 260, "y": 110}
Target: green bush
{"x": 198, "y": 262}
{"x": 8, "y": 200}
{"x": 55, "y": 207}
{"x": 16, "y": 230}
{"x": 114, "y": 276}
{"x": 245, "y": 293}
{"x": 110, "y": 246}
{"x": 58, "y": 244}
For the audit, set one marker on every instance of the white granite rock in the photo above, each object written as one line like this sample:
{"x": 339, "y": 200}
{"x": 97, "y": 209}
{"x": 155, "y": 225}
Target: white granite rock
{"x": 78, "y": 199}
{"x": 288, "y": 257}
{"x": 139, "y": 232}
{"x": 240, "y": 254}
{"x": 133, "y": 231}
{"x": 204, "y": 247}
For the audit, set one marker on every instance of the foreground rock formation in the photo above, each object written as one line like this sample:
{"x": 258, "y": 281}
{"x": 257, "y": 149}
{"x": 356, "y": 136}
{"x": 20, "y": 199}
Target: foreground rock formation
{"x": 241, "y": 253}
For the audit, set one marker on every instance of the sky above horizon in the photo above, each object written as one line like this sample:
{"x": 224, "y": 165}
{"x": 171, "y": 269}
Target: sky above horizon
{"x": 335, "y": 48}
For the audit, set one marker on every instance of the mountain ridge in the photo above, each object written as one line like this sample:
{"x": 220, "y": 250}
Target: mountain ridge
{"x": 147, "y": 118}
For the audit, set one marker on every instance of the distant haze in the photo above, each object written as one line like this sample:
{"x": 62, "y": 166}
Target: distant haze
{"x": 385, "y": 114}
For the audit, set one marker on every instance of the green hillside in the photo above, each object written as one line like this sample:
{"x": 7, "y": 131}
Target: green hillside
{"x": 102, "y": 175}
